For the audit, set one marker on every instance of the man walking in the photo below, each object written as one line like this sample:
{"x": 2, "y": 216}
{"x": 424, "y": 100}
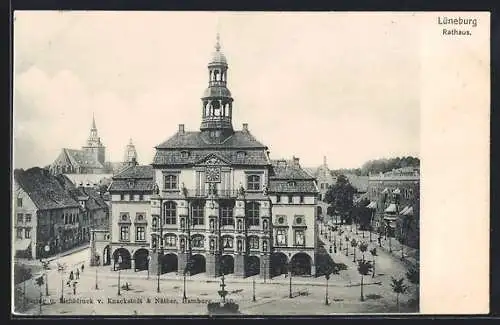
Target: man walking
{"x": 77, "y": 274}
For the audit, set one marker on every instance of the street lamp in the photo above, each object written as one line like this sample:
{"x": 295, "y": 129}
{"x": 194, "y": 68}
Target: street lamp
{"x": 149, "y": 263}
{"x": 120, "y": 259}
{"x": 96, "y": 286}
{"x": 253, "y": 298}
{"x": 290, "y": 275}
{"x": 60, "y": 269}
{"x": 47, "y": 250}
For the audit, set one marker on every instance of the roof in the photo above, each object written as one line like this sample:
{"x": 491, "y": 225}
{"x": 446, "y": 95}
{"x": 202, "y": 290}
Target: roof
{"x": 216, "y": 91}
{"x": 133, "y": 178}
{"x": 44, "y": 189}
{"x": 82, "y": 158}
{"x": 286, "y": 176}
{"x": 144, "y": 171}
{"x": 199, "y": 140}
{"x": 89, "y": 179}
{"x": 229, "y": 156}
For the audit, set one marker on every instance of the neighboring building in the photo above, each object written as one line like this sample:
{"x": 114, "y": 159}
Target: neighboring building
{"x": 130, "y": 231}
{"x": 394, "y": 198}
{"x": 95, "y": 211}
{"x": 213, "y": 201}
{"x": 90, "y": 159}
{"x": 47, "y": 220}
{"x": 360, "y": 183}
{"x": 324, "y": 178}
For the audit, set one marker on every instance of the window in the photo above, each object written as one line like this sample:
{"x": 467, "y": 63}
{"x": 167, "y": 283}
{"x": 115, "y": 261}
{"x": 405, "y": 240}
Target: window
{"x": 19, "y": 218}
{"x": 122, "y": 197}
{"x": 197, "y": 241}
{"x": 281, "y": 237}
{"x": 19, "y": 234}
{"x": 300, "y": 239}
{"x": 302, "y": 199}
{"x": 140, "y": 234}
{"x": 141, "y": 197}
{"x": 240, "y": 154}
{"x": 170, "y": 240}
{"x": 27, "y": 218}
{"x": 281, "y": 219}
{"x": 226, "y": 215}
{"x": 27, "y": 233}
{"x": 170, "y": 213}
{"x": 253, "y": 182}
{"x": 197, "y": 214}
{"x": 170, "y": 182}
{"x": 227, "y": 242}
{"x": 253, "y": 213}
{"x": 184, "y": 154}
{"x": 290, "y": 199}
{"x": 124, "y": 233}
{"x": 140, "y": 217}
{"x": 253, "y": 242}
{"x": 124, "y": 217}
{"x": 278, "y": 198}
{"x": 20, "y": 202}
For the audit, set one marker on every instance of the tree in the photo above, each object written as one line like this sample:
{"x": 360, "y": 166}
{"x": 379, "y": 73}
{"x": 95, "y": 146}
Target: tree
{"x": 373, "y": 251}
{"x": 398, "y": 287}
{"x": 340, "y": 196}
{"x": 363, "y": 247}
{"x": 346, "y": 246}
{"x": 364, "y": 268}
{"x": 413, "y": 276}
{"x": 332, "y": 269}
{"x": 354, "y": 243}
{"x": 39, "y": 282}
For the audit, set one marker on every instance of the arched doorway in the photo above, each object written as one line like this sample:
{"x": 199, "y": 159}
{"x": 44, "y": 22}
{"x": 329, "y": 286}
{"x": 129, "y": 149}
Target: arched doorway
{"x": 141, "y": 259}
{"x": 279, "y": 264}
{"x": 198, "y": 264}
{"x": 168, "y": 263}
{"x": 301, "y": 264}
{"x": 121, "y": 259}
{"x": 227, "y": 264}
{"x": 253, "y": 265}
{"x": 106, "y": 256}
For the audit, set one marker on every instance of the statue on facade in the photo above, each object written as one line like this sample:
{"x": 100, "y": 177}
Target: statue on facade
{"x": 156, "y": 189}
{"x": 241, "y": 190}
{"x": 184, "y": 190}
{"x": 264, "y": 190}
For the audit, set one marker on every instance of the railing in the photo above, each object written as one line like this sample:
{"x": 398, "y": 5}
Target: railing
{"x": 211, "y": 193}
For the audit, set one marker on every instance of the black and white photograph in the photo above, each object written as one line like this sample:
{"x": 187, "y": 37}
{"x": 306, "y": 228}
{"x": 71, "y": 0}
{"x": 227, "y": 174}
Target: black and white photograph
{"x": 217, "y": 163}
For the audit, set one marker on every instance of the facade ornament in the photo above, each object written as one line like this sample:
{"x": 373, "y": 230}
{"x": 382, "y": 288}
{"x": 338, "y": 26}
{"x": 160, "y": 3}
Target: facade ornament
{"x": 156, "y": 189}
{"x": 241, "y": 190}
{"x": 264, "y": 190}
{"x": 184, "y": 190}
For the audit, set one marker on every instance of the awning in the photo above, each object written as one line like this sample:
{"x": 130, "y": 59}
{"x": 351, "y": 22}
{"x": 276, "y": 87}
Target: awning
{"x": 386, "y": 190}
{"x": 397, "y": 191}
{"x": 390, "y": 218}
{"x": 408, "y": 212}
{"x": 22, "y": 244}
{"x": 372, "y": 205}
{"x": 391, "y": 208}
{"x": 402, "y": 212}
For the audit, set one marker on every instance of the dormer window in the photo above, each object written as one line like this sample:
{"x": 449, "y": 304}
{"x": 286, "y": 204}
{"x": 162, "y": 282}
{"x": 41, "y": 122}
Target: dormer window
{"x": 240, "y": 154}
{"x": 292, "y": 183}
{"x": 184, "y": 154}
{"x": 130, "y": 183}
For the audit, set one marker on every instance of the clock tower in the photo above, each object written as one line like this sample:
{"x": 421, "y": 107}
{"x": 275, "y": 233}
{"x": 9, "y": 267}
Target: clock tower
{"x": 217, "y": 102}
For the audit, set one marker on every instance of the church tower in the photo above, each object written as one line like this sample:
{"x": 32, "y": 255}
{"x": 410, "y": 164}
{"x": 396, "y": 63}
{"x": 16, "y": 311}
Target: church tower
{"x": 94, "y": 144}
{"x": 130, "y": 157}
{"x": 217, "y": 109}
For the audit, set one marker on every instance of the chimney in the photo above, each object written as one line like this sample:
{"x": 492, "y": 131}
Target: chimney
{"x": 181, "y": 128}
{"x": 295, "y": 161}
{"x": 245, "y": 127}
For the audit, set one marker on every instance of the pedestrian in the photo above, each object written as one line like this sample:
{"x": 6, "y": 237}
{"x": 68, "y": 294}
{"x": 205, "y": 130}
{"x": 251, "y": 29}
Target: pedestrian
{"x": 380, "y": 240}
{"x": 74, "y": 287}
{"x": 77, "y": 274}
{"x": 82, "y": 268}
{"x": 68, "y": 283}
{"x": 71, "y": 276}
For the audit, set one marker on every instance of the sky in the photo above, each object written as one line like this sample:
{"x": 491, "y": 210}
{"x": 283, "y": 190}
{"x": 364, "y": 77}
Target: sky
{"x": 341, "y": 85}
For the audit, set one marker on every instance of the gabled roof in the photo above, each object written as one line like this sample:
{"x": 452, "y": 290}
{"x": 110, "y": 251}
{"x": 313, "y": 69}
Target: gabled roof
{"x": 133, "y": 178}
{"x": 82, "y": 158}
{"x": 199, "y": 140}
{"x": 44, "y": 189}
{"x": 286, "y": 176}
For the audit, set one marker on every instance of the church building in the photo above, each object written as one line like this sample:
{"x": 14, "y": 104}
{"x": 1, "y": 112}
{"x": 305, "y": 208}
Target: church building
{"x": 217, "y": 202}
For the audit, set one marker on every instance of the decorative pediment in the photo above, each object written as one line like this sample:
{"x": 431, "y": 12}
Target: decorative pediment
{"x": 212, "y": 160}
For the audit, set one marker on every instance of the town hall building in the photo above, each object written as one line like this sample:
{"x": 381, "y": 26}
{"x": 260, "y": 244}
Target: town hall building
{"x": 213, "y": 201}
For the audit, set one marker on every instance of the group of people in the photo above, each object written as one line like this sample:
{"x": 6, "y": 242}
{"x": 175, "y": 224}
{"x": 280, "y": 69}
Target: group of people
{"x": 73, "y": 276}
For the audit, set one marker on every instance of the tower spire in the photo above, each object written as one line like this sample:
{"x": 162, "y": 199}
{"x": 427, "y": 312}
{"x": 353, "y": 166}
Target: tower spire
{"x": 93, "y": 121}
{"x": 217, "y": 43}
